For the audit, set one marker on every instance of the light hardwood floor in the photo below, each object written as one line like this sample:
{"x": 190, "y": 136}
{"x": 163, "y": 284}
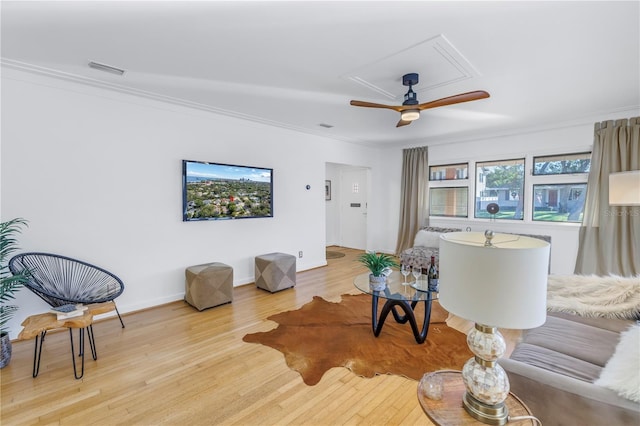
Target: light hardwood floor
{"x": 174, "y": 365}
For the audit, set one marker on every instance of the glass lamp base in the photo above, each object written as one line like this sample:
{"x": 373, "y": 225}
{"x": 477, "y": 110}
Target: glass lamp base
{"x": 485, "y": 380}
{"x": 489, "y": 414}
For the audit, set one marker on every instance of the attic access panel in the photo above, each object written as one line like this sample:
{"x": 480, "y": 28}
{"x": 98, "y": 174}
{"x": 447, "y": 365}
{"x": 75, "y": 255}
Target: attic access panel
{"x": 436, "y": 60}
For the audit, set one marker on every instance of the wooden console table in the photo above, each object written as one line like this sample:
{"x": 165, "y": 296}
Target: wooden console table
{"x": 450, "y": 411}
{"x": 38, "y": 325}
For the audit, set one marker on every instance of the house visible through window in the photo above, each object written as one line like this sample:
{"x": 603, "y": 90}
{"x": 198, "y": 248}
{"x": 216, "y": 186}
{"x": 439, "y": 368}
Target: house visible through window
{"x": 554, "y": 201}
{"x": 557, "y": 185}
{"x": 449, "y": 172}
{"x": 559, "y": 202}
{"x": 500, "y": 182}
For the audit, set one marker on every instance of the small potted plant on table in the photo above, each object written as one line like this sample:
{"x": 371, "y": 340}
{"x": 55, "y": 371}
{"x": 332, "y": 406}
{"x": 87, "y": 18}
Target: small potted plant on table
{"x": 378, "y": 265}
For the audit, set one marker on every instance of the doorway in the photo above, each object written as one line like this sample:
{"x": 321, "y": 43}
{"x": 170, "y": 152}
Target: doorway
{"x": 346, "y": 214}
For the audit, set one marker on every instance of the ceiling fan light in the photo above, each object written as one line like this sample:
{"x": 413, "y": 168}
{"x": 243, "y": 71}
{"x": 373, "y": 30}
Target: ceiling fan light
{"x": 410, "y": 115}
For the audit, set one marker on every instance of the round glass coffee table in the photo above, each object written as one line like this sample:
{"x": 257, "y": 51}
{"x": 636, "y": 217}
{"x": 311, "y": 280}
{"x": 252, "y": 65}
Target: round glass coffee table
{"x": 404, "y": 297}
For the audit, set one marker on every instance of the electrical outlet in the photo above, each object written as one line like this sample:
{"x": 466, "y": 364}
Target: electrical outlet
{"x": 300, "y": 254}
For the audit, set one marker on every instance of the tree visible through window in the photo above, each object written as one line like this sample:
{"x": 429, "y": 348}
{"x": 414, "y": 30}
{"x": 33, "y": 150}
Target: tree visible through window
{"x": 560, "y": 202}
{"x": 562, "y": 164}
{"x": 500, "y": 182}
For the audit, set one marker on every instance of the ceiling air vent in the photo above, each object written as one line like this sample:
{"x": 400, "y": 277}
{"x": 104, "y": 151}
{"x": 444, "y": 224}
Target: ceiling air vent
{"x": 106, "y": 68}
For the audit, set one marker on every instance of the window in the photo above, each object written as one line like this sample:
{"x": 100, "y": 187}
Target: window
{"x": 559, "y": 202}
{"x": 449, "y": 201}
{"x": 502, "y": 183}
{"x": 554, "y": 191}
{"x": 449, "y": 172}
{"x": 562, "y": 164}
{"x": 555, "y": 201}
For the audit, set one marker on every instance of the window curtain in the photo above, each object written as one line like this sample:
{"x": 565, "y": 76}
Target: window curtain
{"x": 413, "y": 199}
{"x": 610, "y": 235}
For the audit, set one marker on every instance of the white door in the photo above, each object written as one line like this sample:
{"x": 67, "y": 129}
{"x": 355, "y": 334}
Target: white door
{"x": 353, "y": 211}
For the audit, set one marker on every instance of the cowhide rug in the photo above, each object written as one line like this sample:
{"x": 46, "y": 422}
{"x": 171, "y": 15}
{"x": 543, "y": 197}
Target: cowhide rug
{"x": 322, "y": 335}
{"x": 593, "y": 296}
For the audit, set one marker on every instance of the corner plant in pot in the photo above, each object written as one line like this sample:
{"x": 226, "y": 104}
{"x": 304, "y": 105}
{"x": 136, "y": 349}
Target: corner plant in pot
{"x": 9, "y": 284}
{"x": 377, "y": 264}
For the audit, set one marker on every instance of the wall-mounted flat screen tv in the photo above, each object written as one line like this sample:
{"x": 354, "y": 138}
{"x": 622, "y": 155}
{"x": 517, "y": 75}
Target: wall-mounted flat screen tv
{"x": 215, "y": 191}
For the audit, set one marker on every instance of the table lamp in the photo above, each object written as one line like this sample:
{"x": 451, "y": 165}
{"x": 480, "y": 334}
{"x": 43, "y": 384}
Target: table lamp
{"x": 494, "y": 280}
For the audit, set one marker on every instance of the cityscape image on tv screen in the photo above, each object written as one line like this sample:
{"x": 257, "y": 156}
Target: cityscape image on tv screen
{"x": 213, "y": 191}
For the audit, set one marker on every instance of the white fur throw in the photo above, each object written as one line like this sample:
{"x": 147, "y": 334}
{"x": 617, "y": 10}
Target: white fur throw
{"x": 622, "y": 372}
{"x": 593, "y": 296}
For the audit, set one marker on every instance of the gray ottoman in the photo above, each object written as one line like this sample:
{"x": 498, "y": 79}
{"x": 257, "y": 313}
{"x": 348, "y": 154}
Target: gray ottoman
{"x": 208, "y": 285}
{"x": 275, "y": 271}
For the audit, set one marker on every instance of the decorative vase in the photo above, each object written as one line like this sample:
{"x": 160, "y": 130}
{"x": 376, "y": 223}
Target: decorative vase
{"x": 377, "y": 283}
{"x": 5, "y": 350}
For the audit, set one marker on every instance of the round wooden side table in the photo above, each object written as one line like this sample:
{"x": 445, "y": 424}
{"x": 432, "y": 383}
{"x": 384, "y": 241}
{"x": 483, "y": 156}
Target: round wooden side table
{"x": 449, "y": 410}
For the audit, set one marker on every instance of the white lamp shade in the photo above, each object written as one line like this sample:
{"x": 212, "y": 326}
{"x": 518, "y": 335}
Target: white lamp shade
{"x": 500, "y": 286}
{"x": 624, "y": 188}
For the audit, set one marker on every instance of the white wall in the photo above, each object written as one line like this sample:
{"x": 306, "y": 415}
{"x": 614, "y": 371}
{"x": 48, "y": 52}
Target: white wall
{"x": 563, "y": 138}
{"x": 98, "y": 176}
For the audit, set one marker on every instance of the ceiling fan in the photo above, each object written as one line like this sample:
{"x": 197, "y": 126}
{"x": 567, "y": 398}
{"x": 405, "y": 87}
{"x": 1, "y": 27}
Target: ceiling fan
{"x": 410, "y": 108}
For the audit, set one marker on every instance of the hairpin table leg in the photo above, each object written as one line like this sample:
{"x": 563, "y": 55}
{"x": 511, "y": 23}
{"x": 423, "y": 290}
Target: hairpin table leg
{"x": 37, "y": 353}
{"x": 92, "y": 342}
{"x": 81, "y": 352}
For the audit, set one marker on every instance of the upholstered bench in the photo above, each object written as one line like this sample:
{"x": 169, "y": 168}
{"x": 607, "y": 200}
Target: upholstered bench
{"x": 275, "y": 271}
{"x": 425, "y": 244}
{"x": 208, "y": 285}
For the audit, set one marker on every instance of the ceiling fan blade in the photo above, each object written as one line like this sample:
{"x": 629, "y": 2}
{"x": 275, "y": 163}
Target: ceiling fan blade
{"x": 403, "y": 123}
{"x": 455, "y": 99}
{"x": 373, "y": 105}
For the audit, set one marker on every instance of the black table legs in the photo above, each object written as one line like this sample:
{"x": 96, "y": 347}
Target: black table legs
{"x": 38, "y": 350}
{"x": 409, "y": 315}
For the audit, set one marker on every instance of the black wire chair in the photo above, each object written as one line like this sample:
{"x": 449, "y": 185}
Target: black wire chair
{"x": 60, "y": 280}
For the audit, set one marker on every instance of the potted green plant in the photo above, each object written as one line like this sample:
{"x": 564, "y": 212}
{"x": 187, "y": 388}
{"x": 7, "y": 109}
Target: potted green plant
{"x": 378, "y": 264}
{"x": 9, "y": 283}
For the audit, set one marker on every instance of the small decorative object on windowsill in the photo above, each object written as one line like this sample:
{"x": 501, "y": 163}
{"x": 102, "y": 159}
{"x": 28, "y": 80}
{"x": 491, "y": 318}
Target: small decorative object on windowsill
{"x": 503, "y": 284}
{"x": 380, "y": 266}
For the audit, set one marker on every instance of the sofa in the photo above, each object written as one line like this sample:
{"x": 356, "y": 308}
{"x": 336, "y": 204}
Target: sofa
{"x": 582, "y": 366}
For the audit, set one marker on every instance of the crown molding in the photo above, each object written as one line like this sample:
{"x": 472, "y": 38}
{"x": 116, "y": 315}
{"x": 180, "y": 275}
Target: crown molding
{"x": 87, "y": 81}
{"x": 432, "y": 140}
{"x": 589, "y": 119}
